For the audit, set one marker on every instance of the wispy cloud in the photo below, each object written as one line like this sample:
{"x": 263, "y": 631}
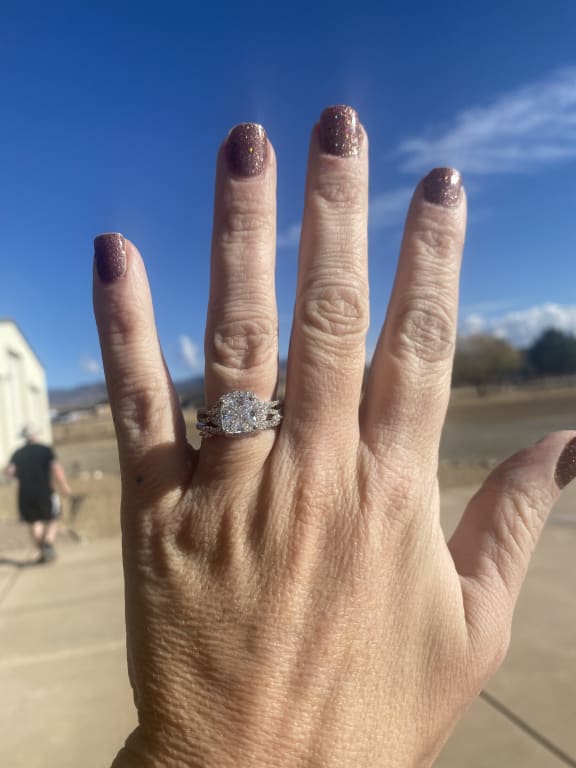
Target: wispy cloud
{"x": 523, "y": 326}
{"x": 289, "y": 237}
{"x": 91, "y": 365}
{"x": 523, "y": 129}
{"x": 190, "y": 353}
{"x": 389, "y": 208}
{"x": 492, "y": 307}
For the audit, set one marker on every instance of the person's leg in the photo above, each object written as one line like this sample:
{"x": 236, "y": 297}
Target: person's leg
{"x": 50, "y": 532}
{"x": 51, "y": 528}
{"x": 37, "y": 532}
{"x": 44, "y": 534}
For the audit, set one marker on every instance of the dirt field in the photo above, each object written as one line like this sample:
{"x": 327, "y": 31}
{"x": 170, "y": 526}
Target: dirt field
{"x": 479, "y": 432}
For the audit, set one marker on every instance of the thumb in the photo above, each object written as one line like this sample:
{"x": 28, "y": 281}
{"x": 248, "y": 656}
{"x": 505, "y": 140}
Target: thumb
{"x": 496, "y": 537}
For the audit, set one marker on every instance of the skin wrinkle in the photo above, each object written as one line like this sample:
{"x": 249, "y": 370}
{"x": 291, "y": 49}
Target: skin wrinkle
{"x": 241, "y": 271}
{"x": 519, "y": 511}
{"x": 293, "y": 601}
{"x": 244, "y": 214}
{"x": 243, "y": 345}
{"x": 423, "y": 334}
{"x": 351, "y": 266}
{"x": 245, "y": 195}
{"x": 123, "y": 320}
{"x": 244, "y": 267}
{"x": 335, "y": 311}
{"x": 331, "y": 197}
{"x": 138, "y": 403}
{"x": 239, "y": 228}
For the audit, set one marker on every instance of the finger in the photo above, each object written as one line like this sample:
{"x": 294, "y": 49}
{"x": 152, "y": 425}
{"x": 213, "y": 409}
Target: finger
{"x": 327, "y": 349}
{"x": 241, "y": 343}
{"x": 494, "y": 541}
{"x": 147, "y": 417}
{"x": 409, "y": 382}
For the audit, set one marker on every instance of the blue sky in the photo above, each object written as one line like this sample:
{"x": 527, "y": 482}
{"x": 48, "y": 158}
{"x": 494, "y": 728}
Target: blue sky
{"x": 112, "y": 114}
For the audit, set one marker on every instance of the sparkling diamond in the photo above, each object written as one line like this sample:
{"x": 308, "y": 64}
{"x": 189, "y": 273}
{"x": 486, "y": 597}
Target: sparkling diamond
{"x": 239, "y": 413}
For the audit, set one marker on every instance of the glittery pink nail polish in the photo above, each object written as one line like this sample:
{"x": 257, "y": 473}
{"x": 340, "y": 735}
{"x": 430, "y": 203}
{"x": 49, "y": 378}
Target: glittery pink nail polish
{"x": 246, "y": 149}
{"x": 566, "y": 466}
{"x": 110, "y": 256}
{"x": 340, "y": 131}
{"x": 442, "y": 186}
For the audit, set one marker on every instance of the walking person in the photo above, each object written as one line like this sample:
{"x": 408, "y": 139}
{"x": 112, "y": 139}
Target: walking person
{"x": 37, "y": 470}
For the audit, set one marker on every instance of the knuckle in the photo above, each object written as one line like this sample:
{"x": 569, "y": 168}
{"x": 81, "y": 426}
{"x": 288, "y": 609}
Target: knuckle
{"x": 124, "y": 323}
{"x": 341, "y": 190}
{"x": 244, "y": 344}
{"x": 336, "y": 311}
{"x": 423, "y": 330}
{"x": 520, "y": 519}
{"x": 495, "y": 650}
{"x": 436, "y": 236}
{"x": 137, "y": 405}
{"x": 500, "y": 648}
{"x": 489, "y": 638}
{"x": 244, "y": 220}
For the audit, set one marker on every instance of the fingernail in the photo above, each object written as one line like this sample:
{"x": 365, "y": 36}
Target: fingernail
{"x": 566, "y": 466}
{"x": 246, "y": 149}
{"x": 110, "y": 255}
{"x": 442, "y": 186}
{"x": 340, "y": 131}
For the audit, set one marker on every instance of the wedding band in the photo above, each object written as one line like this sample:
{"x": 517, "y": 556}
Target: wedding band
{"x": 239, "y": 414}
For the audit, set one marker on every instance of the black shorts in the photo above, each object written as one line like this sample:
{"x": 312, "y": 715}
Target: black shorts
{"x": 41, "y": 508}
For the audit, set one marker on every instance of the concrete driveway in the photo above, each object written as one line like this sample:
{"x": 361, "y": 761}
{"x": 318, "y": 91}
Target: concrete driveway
{"x": 65, "y": 696}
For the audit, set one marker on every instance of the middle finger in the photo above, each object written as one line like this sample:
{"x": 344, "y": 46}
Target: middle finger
{"x": 327, "y": 348}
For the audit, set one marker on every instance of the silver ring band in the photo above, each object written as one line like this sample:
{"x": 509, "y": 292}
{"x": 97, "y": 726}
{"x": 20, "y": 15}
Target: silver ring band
{"x": 239, "y": 414}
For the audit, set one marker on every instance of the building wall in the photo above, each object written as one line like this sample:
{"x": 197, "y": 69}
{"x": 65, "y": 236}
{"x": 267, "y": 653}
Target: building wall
{"x": 23, "y": 391}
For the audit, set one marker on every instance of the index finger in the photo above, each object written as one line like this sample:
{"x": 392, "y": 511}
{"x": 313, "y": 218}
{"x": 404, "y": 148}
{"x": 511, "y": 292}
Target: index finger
{"x": 147, "y": 417}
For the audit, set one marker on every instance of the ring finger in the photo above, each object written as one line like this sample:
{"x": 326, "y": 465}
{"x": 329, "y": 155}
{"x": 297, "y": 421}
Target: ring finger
{"x": 241, "y": 343}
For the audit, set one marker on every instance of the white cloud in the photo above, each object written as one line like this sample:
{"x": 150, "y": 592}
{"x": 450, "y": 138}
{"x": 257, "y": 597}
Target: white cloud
{"x": 91, "y": 365}
{"x": 190, "y": 353}
{"x": 472, "y": 324}
{"x": 522, "y": 327}
{"x": 524, "y": 129}
{"x": 389, "y": 208}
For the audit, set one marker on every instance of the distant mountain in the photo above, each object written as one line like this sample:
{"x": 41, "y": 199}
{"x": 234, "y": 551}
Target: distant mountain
{"x": 84, "y": 396}
{"x": 190, "y": 391}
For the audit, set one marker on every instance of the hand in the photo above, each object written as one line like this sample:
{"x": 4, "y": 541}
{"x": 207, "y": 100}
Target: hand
{"x": 290, "y": 597}
{"x": 60, "y": 478}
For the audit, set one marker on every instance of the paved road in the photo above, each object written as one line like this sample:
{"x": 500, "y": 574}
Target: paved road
{"x": 66, "y": 702}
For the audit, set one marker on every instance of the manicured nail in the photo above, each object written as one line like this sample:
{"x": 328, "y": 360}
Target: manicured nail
{"x": 340, "y": 131}
{"x": 442, "y": 186}
{"x": 566, "y": 466}
{"x": 110, "y": 255}
{"x": 246, "y": 149}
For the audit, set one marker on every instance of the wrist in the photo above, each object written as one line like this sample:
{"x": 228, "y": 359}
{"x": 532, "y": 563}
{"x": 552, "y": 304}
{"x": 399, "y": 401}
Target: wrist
{"x": 141, "y": 752}
{"x": 165, "y": 751}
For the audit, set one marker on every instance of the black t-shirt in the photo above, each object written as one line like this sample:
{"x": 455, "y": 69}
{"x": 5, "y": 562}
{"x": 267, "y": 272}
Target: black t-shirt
{"x": 33, "y": 465}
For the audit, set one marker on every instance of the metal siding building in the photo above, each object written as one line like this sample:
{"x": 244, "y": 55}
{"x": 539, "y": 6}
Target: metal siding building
{"x": 23, "y": 391}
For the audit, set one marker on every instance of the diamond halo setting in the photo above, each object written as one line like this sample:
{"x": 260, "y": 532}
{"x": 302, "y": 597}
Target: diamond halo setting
{"x": 239, "y": 414}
